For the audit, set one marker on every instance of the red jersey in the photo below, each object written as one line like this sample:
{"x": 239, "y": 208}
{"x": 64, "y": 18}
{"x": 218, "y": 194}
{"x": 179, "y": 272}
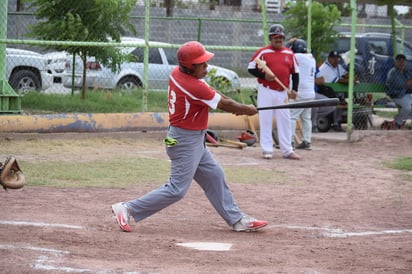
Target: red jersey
{"x": 189, "y": 101}
{"x": 282, "y": 62}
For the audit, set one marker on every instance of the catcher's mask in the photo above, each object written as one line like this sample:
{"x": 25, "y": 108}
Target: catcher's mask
{"x": 247, "y": 137}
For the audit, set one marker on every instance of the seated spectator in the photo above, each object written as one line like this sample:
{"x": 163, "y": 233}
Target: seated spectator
{"x": 399, "y": 89}
{"x": 331, "y": 71}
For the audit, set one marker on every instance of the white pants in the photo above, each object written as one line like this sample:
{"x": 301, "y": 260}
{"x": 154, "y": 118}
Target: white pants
{"x": 305, "y": 117}
{"x": 268, "y": 97}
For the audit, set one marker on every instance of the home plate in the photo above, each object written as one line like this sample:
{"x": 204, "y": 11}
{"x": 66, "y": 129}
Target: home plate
{"x": 208, "y": 246}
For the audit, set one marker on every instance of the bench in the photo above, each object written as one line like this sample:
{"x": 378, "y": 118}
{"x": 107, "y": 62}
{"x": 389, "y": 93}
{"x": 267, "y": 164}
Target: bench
{"x": 364, "y": 98}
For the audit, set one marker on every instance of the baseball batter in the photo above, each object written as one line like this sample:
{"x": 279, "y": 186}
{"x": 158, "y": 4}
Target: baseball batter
{"x": 190, "y": 99}
{"x": 282, "y": 62}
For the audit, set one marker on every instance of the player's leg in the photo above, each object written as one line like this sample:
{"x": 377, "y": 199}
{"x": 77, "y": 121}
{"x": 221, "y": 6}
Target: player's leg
{"x": 283, "y": 124}
{"x": 185, "y": 158}
{"x": 211, "y": 178}
{"x": 264, "y": 99}
{"x": 306, "y": 121}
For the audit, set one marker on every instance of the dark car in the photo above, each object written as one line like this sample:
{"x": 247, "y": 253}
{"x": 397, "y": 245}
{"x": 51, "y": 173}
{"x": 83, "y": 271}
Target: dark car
{"x": 373, "y": 54}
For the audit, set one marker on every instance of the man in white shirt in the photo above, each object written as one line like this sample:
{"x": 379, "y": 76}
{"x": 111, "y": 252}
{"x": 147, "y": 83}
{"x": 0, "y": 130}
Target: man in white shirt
{"x": 331, "y": 71}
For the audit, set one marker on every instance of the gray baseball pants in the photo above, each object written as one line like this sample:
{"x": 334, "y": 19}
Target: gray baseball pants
{"x": 190, "y": 159}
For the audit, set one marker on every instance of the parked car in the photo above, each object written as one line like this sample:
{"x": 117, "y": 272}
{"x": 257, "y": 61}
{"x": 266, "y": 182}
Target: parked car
{"x": 27, "y": 70}
{"x": 162, "y": 60}
{"x": 374, "y": 54}
{"x": 56, "y": 62}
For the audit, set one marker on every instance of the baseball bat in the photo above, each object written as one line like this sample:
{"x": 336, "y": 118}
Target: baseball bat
{"x": 306, "y": 104}
{"x": 237, "y": 143}
{"x": 261, "y": 64}
{"x": 219, "y": 144}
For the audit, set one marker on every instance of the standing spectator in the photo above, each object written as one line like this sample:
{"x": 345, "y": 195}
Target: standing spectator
{"x": 307, "y": 70}
{"x": 190, "y": 99}
{"x": 281, "y": 60}
{"x": 399, "y": 88}
{"x": 332, "y": 72}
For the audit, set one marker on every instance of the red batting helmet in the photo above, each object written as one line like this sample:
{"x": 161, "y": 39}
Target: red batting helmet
{"x": 191, "y": 53}
{"x": 247, "y": 137}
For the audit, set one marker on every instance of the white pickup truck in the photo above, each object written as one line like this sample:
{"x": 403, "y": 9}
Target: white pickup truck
{"x": 27, "y": 70}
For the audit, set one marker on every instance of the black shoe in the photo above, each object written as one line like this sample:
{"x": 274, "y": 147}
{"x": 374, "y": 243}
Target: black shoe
{"x": 315, "y": 129}
{"x": 304, "y": 145}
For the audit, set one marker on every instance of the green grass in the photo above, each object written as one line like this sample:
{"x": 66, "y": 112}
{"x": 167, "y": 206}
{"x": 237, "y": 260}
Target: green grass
{"x": 125, "y": 172}
{"x": 99, "y": 101}
{"x": 404, "y": 164}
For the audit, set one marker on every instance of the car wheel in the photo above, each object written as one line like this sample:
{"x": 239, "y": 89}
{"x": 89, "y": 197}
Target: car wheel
{"x": 324, "y": 123}
{"x": 23, "y": 81}
{"x": 129, "y": 83}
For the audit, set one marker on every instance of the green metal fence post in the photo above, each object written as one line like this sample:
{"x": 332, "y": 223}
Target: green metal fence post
{"x": 351, "y": 70}
{"x": 10, "y": 101}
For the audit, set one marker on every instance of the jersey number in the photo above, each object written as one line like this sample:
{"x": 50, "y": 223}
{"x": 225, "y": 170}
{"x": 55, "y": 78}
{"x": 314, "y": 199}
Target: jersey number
{"x": 172, "y": 101}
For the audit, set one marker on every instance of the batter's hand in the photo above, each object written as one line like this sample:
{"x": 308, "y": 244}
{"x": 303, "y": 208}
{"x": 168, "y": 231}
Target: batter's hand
{"x": 250, "y": 110}
{"x": 245, "y": 110}
{"x": 292, "y": 94}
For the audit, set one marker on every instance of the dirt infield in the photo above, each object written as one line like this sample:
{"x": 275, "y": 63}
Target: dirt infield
{"x": 338, "y": 210}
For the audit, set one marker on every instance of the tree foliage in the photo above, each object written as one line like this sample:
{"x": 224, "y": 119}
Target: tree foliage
{"x": 324, "y": 20}
{"x": 84, "y": 21}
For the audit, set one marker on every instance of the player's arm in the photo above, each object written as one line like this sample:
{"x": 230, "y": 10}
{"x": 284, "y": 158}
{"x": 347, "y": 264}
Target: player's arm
{"x": 229, "y": 105}
{"x": 295, "y": 81}
{"x": 256, "y": 72}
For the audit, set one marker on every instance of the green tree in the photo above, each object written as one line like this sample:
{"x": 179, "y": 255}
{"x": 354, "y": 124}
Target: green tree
{"x": 85, "y": 21}
{"x": 324, "y": 20}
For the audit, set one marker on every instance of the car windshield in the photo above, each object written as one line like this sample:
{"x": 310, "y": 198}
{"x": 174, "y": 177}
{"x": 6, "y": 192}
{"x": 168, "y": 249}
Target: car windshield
{"x": 171, "y": 56}
{"x": 154, "y": 55}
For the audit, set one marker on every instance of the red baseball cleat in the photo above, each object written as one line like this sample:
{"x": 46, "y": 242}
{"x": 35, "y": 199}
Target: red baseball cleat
{"x": 122, "y": 216}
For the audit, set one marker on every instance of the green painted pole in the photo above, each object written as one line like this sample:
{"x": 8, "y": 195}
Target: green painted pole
{"x": 146, "y": 55}
{"x": 351, "y": 70}
{"x": 3, "y": 35}
{"x": 264, "y": 23}
{"x": 9, "y": 100}
{"x": 309, "y": 34}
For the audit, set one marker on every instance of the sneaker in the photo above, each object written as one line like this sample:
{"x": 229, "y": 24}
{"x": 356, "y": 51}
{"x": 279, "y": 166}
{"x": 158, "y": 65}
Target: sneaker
{"x": 304, "y": 145}
{"x": 267, "y": 155}
{"x": 121, "y": 213}
{"x": 248, "y": 224}
{"x": 292, "y": 156}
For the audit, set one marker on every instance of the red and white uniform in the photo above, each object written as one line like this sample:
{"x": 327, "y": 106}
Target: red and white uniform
{"x": 189, "y": 101}
{"x": 283, "y": 64}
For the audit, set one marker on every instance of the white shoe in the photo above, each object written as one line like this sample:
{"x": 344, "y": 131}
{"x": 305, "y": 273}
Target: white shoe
{"x": 248, "y": 223}
{"x": 267, "y": 155}
{"x": 121, "y": 213}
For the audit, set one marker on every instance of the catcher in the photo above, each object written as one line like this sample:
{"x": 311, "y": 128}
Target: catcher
{"x": 11, "y": 176}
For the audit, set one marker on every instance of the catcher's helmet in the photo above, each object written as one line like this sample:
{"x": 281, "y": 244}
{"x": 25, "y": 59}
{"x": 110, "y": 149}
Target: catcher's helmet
{"x": 247, "y": 137}
{"x": 299, "y": 46}
{"x": 276, "y": 30}
{"x": 191, "y": 53}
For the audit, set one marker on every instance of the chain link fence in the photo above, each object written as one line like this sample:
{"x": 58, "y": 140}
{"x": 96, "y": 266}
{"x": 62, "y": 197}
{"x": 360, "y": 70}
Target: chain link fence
{"x": 233, "y": 30}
